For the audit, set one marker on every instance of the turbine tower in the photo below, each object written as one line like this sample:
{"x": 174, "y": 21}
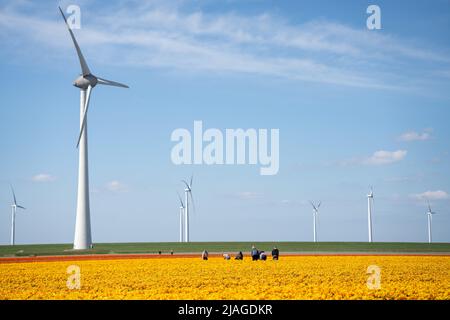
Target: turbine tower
{"x": 187, "y": 194}
{"x": 430, "y": 218}
{"x": 182, "y": 208}
{"x": 14, "y": 207}
{"x": 369, "y": 212}
{"x": 315, "y": 213}
{"x": 85, "y": 82}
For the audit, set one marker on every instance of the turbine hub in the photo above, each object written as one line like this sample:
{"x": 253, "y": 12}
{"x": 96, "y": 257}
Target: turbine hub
{"x": 83, "y": 82}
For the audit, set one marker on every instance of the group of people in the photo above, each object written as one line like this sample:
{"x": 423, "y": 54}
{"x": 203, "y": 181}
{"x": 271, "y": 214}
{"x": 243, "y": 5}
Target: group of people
{"x": 254, "y": 253}
{"x": 261, "y": 255}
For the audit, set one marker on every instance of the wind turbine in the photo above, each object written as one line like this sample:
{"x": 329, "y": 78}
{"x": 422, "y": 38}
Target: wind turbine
{"x": 187, "y": 194}
{"x": 315, "y": 213}
{"x": 14, "y": 207}
{"x": 182, "y": 208}
{"x": 369, "y": 212}
{"x": 86, "y": 82}
{"x": 430, "y": 218}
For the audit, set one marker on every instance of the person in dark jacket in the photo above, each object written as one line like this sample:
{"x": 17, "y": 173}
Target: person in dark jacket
{"x": 239, "y": 256}
{"x": 254, "y": 253}
{"x": 275, "y": 253}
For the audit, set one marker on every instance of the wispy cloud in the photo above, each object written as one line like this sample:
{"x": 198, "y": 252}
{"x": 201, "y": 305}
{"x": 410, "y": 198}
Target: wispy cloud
{"x": 116, "y": 186}
{"x": 160, "y": 35}
{"x": 43, "y": 177}
{"x": 378, "y": 158}
{"x": 431, "y": 195}
{"x": 385, "y": 157}
{"x": 415, "y": 136}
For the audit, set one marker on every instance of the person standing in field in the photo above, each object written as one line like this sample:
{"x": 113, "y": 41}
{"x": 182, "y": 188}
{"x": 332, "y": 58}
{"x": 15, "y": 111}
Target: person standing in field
{"x": 254, "y": 253}
{"x": 205, "y": 255}
{"x": 275, "y": 253}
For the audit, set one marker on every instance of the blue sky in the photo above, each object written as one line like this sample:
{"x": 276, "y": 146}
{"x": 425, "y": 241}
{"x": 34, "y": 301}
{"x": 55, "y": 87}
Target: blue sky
{"x": 354, "y": 108}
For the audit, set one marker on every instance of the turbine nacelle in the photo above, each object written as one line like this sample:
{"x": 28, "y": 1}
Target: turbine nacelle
{"x": 83, "y": 82}
{"x": 188, "y": 185}
{"x": 315, "y": 207}
{"x": 430, "y": 212}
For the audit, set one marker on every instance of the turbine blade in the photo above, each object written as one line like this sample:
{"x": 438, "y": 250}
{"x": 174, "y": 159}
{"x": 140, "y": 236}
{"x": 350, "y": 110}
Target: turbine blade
{"x": 84, "y": 67}
{"x": 314, "y": 207}
{"x": 190, "y": 184}
{"x": 318, "y": 206}
{"x": 193, "y": 203}
{"x": 187, "y": 185}
{"x": 86, "y": 106}
{"x": 14, "y": 195}
{"x": 111, "y": 83}
{"x": 429, "y": 207}
{"x": 20, "y": 207}
{"x": 181, "y": 201}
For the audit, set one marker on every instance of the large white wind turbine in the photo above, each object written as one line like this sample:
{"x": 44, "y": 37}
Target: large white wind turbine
{"x": 430, "y": 218}
{"x": 187, "y": 194}
{"x": 315, "y": 213}
{"x": 86, "y": 82}
{"x": 14, "y": 207}
{"x": 182, "y": 208}
{"x": 369, "y": 212}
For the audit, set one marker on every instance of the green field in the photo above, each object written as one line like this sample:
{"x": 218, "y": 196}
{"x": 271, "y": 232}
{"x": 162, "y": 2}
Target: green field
{"x": 197, "y": 247}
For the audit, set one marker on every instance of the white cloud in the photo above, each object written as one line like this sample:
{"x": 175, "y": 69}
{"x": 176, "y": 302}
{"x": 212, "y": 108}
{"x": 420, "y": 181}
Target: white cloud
{"x": 385, "y": 157}
{"x": 415, "y": 136}
{"x": 431, "y": 195}
{"x": 43, "y": 177}
{"x": 116, "y": 186}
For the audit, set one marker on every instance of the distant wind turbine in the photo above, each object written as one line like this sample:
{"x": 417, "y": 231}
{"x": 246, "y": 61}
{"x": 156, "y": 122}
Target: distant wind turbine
{"x": 86, "y": 82}
{"x": 369, "y": 212}
{"x": 188, "y": 195}
{"x": 315, "y": 213}
{"x": 14, "y": 207}
{"x": 430, "y": 218}
{"x": 182, "y": 208}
